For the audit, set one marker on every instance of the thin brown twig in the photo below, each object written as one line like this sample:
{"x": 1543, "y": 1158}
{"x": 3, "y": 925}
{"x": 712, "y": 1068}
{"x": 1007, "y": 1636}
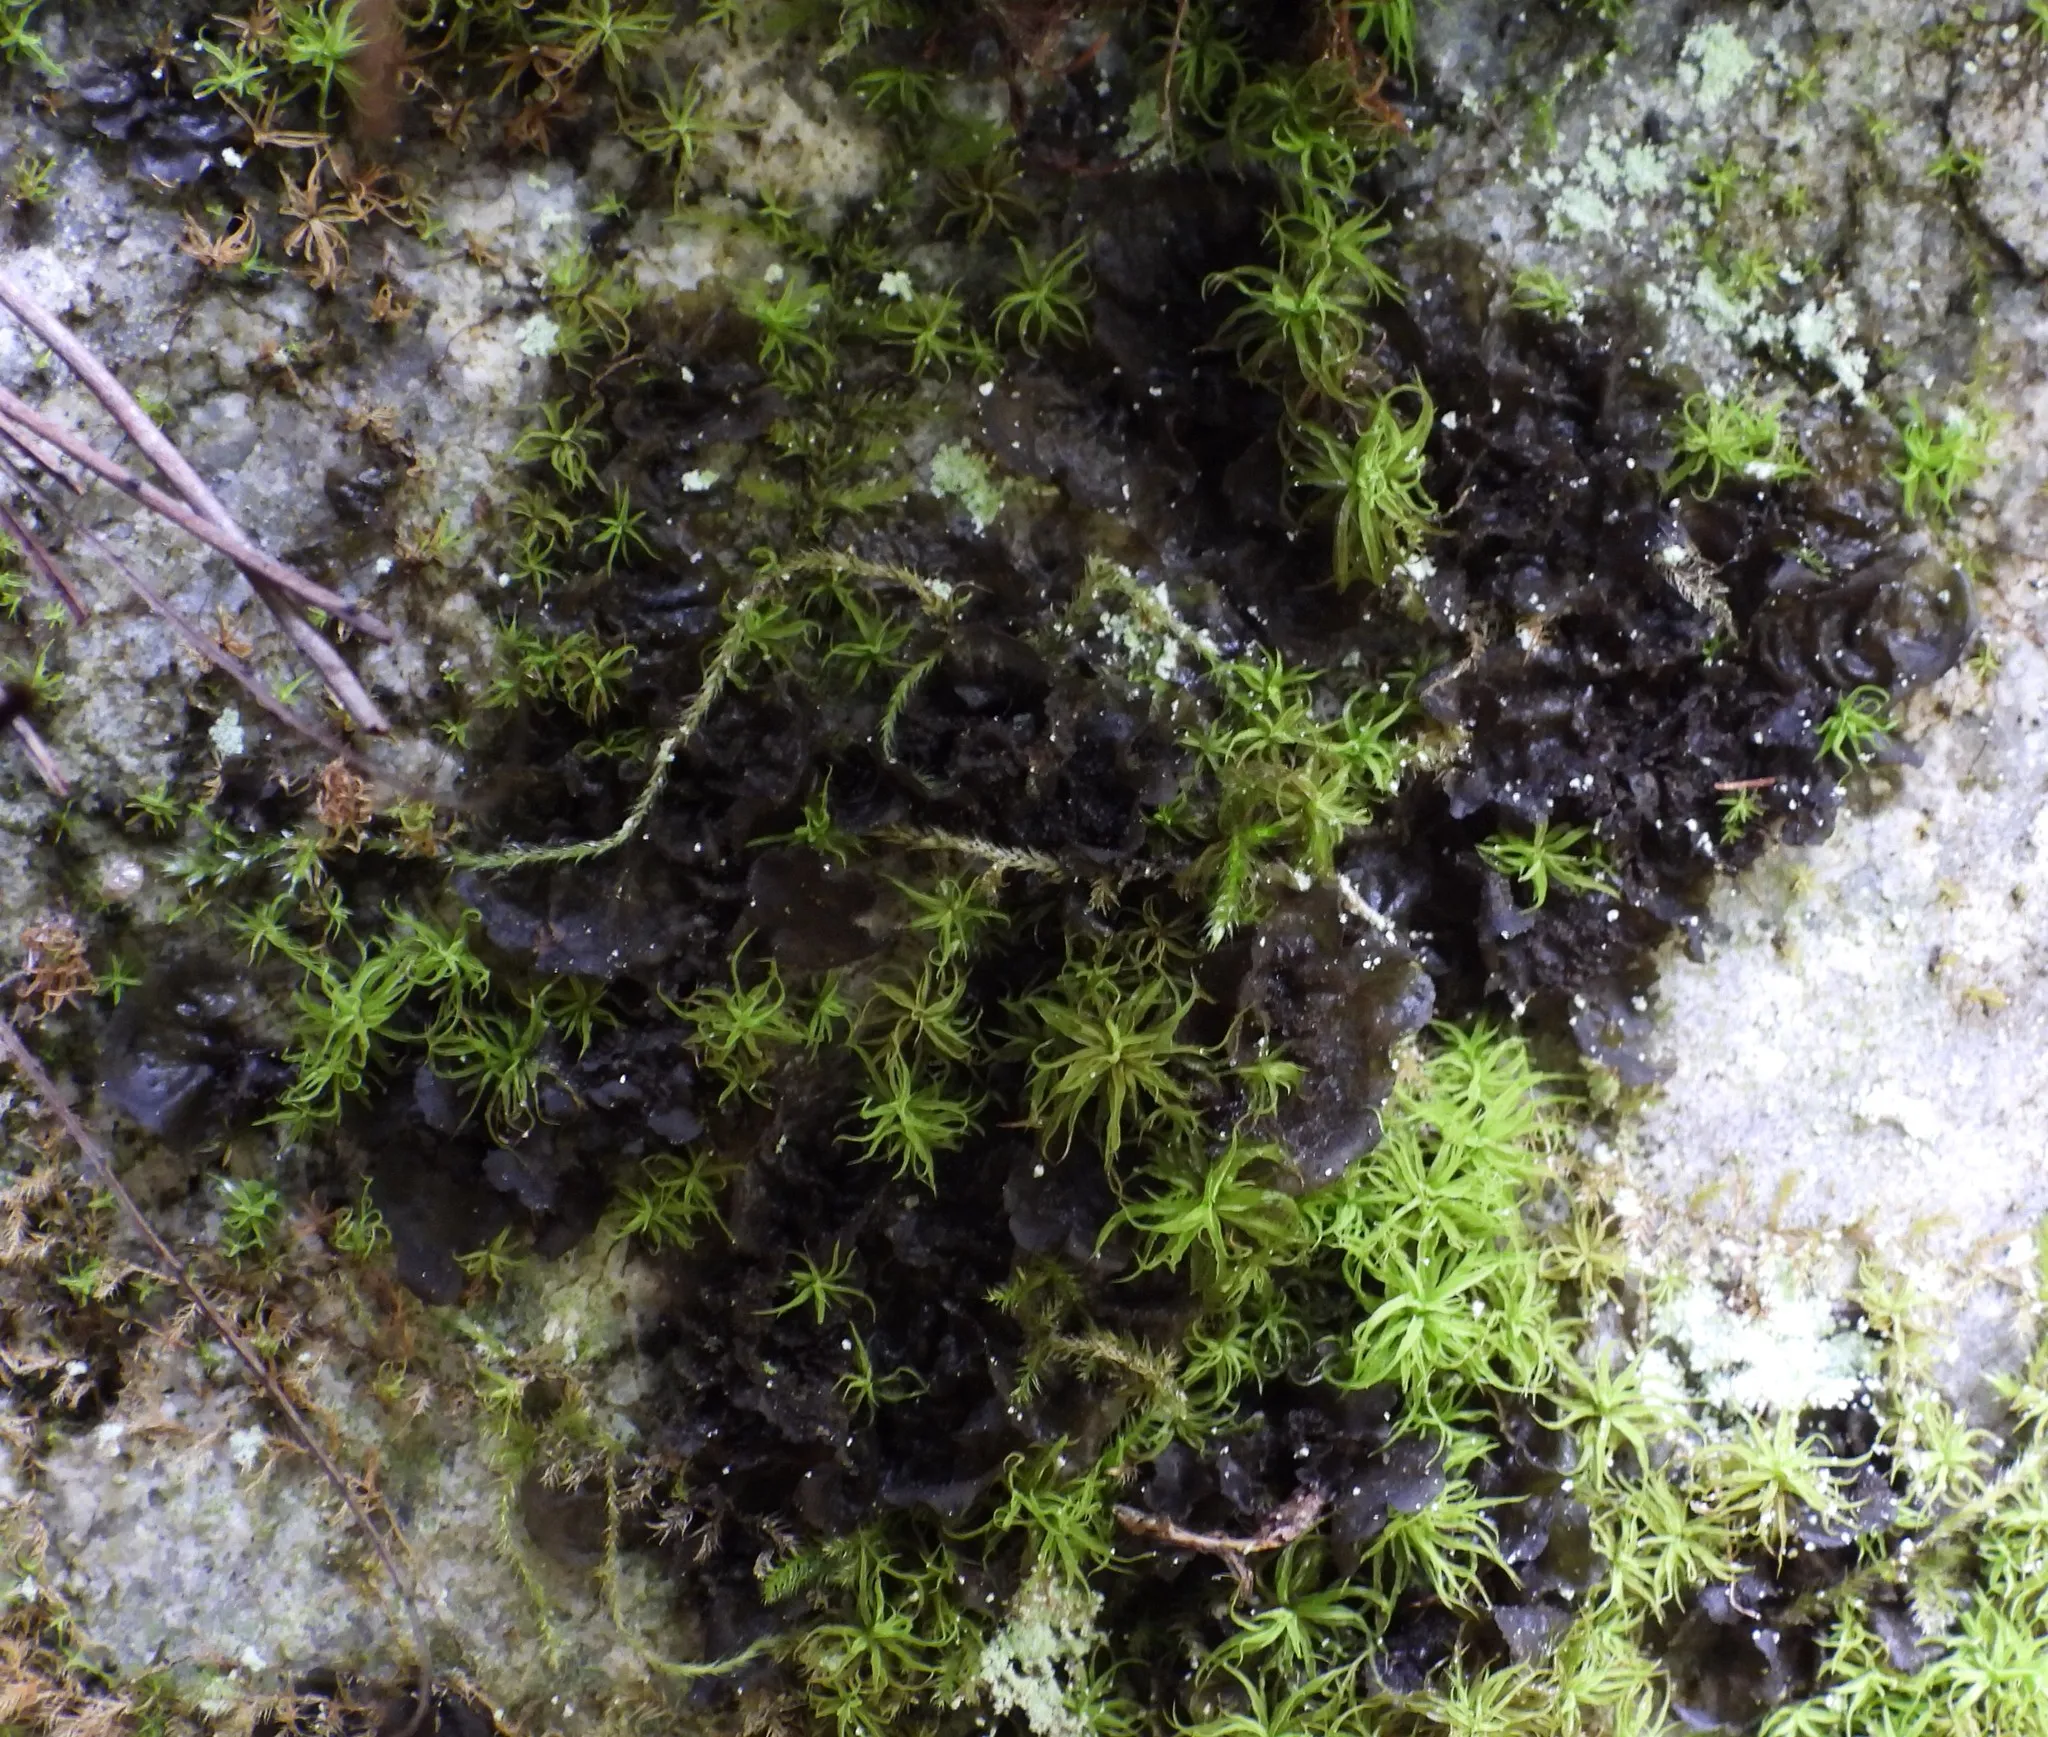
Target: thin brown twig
{"x": 332, "y": 667}
{"x": 39, "y": 756}
{"x": 170, "y": 463}
{"x": 47, "y": 461}
{"x": 42, "y": 561}
{"x": 100, "y": 1163}
{"x": 1293, "y": 1519}
{"x": 100, "y": 381}
{"x": 199, "y": 643}
{"x": 377, "y": 65}
{"x": 231, "y": 543}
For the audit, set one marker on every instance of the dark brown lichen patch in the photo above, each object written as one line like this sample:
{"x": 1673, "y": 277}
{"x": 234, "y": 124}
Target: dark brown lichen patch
{"x": 167, "y": 135}
{"x": 936, "y": 1300}
{"x": 1630, "y": 653}
{"x": 1578, "y": 648}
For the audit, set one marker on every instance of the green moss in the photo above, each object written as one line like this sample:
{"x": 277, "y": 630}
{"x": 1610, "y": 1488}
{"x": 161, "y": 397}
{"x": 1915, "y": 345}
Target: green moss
{"x": 1539, "y": 290}
{"x": 566, "y": 441}
{"x": 1047, "y": 299}
{"x": 30, "y": 182}
{"x": 574, "y": 669}
{"x": 1942, "y": 458}
{"x": 360, "y": 1231}
{"x": 1717, "y": 438}
{"x": 251, "y": 1213}
{"x": 1436, "y": 1276}
{"x": 675, "y": 1197}
{"x": 1857, "y": 725}
{"x": 317, "y": 45}
{"x": 676, "y": 130}
{"x": 1308, "y": 314}
{"x": 1373, "y": 474}
{"x": 1101, "y": 1044}
{"x": 1567, "y": 857}
{"x": 20, "y": 42}
{"x": 1740, "y": 810}
{"x": 738, "y": 1033}
{"x": 1284, "y": 781}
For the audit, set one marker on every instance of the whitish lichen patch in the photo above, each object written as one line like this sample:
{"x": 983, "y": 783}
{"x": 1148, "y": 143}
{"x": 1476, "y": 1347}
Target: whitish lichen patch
{"x": 1037, "y": 1664}
{"x": 1787, "y": 1352}
{"x": 961, "y": 475}
{"x": 538, "y": 336}
{"x": 1715, "y": 65}
{"x": 1139, "y": 622}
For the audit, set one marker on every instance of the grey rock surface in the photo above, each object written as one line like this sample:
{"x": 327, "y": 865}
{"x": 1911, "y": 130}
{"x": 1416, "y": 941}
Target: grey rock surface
{"x": 188, "y": 1531}
{"x": 184, "y": 1531}
{"x": 1999, "y": 112}
{"x": 1858, "y": 1061}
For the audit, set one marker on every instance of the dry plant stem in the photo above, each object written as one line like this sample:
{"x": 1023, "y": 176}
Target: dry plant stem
{"x": 42, "y": 561}
{"x": 941, "y": 601}
{"x": 100, "y": 381}
{"x": 377, "y": 66}
{"x": 1180, "y": 20}
{"x": 687, "y": 1671}
{"x": 100, "y": 1165}
{"x": 202, "y": 645}
{"x": 1293, "y": 1519}
{"x": 328, "y": 663}
{"x": 245, "y": 554}
{"x": 40, "y": 757}
{"x": 716, "y": 679}
{"x": 42, "y": 456}
{"x": 150, "y": 441}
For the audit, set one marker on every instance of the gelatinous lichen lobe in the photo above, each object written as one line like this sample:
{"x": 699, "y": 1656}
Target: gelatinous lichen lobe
{"x": 813, "y": 914}
{"x": 1897, "y": 622}
{"x": 1309, "y": 986}
{"x": 1599, "y": 685}
{"x": 167, "y": 136}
